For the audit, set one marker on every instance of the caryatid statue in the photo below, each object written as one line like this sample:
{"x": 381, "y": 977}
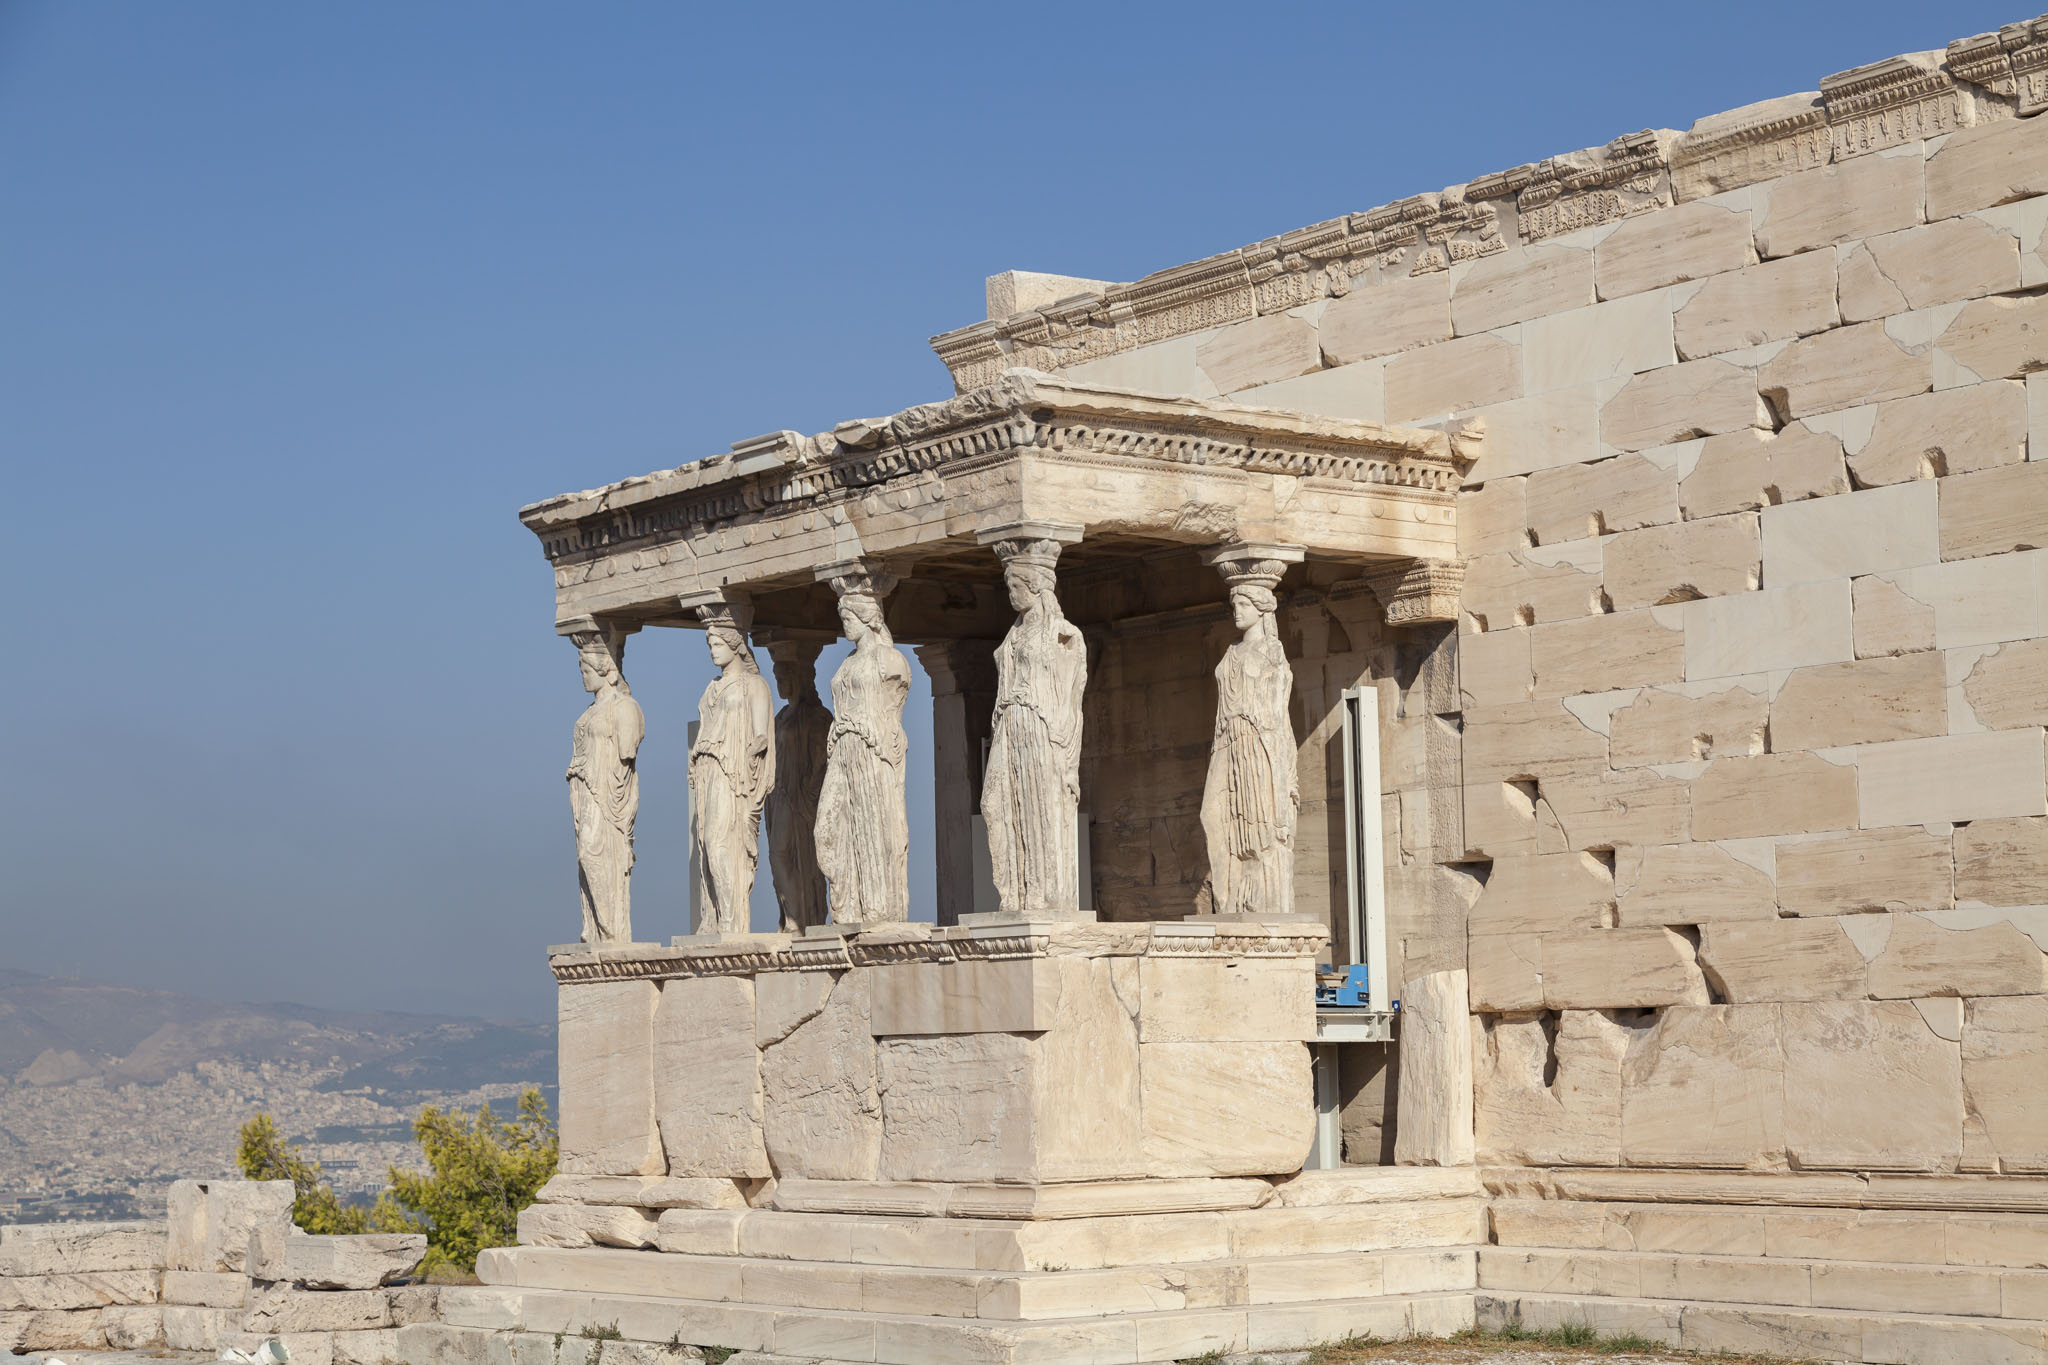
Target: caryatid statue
{"x": 802, "y": 729}
{"x": 604, "y": 786}
{"x": 863, "y": 831}
{"x": 1252, "y": 799}
{"x": 732, "y": 769}
{"x": 1031, "y": 792}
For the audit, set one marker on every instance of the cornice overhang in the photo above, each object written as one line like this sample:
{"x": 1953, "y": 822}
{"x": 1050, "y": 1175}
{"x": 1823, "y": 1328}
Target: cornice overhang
{"x": 1028, "y": 444}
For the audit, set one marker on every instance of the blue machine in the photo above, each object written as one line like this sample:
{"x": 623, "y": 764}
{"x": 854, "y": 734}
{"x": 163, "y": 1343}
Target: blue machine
{"x": 1353, "y": 991}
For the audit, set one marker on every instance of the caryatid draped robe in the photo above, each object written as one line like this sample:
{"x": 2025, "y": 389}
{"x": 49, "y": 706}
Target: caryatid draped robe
{"x": 732, "y": 768}
{"x": 802, "y": 729}
{"x": 604, "y": 798}
{"x": 1031, "y": 795}
{"x": 1252, "y": 798}
{"x": 863, "y": 831}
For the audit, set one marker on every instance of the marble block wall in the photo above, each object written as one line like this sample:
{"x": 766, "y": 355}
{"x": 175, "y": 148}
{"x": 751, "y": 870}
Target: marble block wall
{"x": 1012, "y": 1053}
{"x": 1728, "y": 788}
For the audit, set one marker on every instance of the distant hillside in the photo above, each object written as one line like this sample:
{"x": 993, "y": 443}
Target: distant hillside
{"x": 55, "y": 1031}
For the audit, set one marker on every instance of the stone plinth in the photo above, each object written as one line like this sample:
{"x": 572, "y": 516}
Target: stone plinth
{"x": 1008, "y": 1052}
{"x": 979, "y": 1139}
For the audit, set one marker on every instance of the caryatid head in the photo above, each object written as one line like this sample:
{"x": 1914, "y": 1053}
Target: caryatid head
{"x": 860, "y": 593}
{"x": 725, "y": 633}
{"x": 1030, "y": 573}
{"x": 598, "y": 657}
{"x": 1251, "y": 583}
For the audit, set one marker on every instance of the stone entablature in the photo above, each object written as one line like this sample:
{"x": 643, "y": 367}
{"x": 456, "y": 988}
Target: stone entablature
{"x": 1026, "y": 447}
{"x": 1976, "y": 80}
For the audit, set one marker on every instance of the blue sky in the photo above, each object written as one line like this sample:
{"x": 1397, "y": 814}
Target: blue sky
{"x": 299, "y": 304}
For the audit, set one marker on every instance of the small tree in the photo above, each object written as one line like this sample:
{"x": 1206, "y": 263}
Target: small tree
{"x": 265, "y": 1155}
{"x": 485, "y": 1170}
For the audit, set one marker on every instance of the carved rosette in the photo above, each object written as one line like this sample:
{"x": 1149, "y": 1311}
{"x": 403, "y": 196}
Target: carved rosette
{"x": 1414, "y": 592}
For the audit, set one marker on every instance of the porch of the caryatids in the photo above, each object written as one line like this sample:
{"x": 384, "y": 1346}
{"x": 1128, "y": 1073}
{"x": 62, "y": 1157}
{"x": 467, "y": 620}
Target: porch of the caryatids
{"x": 604, "y": 782}
{"x": 732, "y": 765}
{"x": 1252, "y": 798}
{"x": 802, "y": 731}
{"x": 863, "y": 830}
{"x": 1031, "y": 792}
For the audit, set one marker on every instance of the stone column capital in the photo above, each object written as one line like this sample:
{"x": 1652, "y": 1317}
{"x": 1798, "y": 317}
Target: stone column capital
{"x": 1253, "y": 562}
{"x": 864, "y": 575}
{"x": 792, "y": 646}
{"x": 730, "y": 607}
{"x": 1024, "y": 532}
{"x": 585, "y": 631}
{"x": 1417, "y": 591}
{"x": 956, "y": 666}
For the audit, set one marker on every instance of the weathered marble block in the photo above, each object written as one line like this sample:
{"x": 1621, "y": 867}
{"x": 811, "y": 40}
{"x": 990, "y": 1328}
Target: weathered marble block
{"x": 211, "y": 1222}
{"x": 76, "y": 1248}
{"x": 1005, "y": 1052}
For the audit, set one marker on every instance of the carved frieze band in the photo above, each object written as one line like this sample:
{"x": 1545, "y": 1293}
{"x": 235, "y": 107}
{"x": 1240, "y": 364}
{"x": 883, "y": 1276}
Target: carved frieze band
{"x": 838, "y": 954}
{"x": 1885, "y": 104}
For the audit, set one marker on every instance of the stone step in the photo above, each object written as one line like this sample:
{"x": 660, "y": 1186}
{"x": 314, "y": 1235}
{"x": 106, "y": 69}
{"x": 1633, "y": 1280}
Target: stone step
{"x": 856, "y": 1338}
{"x": 1952, "y": 1291}
{"x": 986, "y": 1295}
{"x": 1812, "y": 1334}
{"x": 1074, "y": 1243}
{"x": 1920, "y": 1237}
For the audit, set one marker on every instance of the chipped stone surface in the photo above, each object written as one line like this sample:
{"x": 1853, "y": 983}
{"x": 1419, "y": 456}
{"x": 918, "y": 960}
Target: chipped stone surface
{"x": 1669, "y": 727}
{"x": 1868, "y": 1086}
{"x": 1949, "y": 431}
{"x": 1453, "y": 376}
{"x": 822, "y": 1112}
{"x": 2002, "y": 862}
{"x": 1940, "y": 262}
{"x": 1259, "y": 351}
{"x": 1573, "y": 1117}
{"x": 1613, "y": 650}
{"x": 2005, "y": 688}
{"x": 1620, "y": 494}
{"x": 1773, "y": 960}
{"x": 1995, "y": 512}
{"x": 2002, "y": 1078}
{"x": 1396, "y": 315}
{"x": 707, "y": 1079}
{"x": 1842, "y": 368}
{"x": 1865, "y": 871}
{"x": 606, "y": 1032}
{"x": 1862, "y": 197}
{"x": 1545, "y": 891}
{"x": 1976, "y": 168}
{"x": 1731, "y": 1052}
{"x": 1742, "y": 798}
{"x": 1521, "y": 284}
{"x": 1923, "y": 959}
{"x": 1679, "y": 402}
{"x": 1887, "y": 621}
{"x": 1435, "y": 1092}
{"x": 1682, "y": 563}
{"x": 1689, "y": 884}
{"x": 1774, "y": 301}
{"x": 1997, "y": 338}
{"x": 1689, "y": 242}
{"x": 1861, "y": 702}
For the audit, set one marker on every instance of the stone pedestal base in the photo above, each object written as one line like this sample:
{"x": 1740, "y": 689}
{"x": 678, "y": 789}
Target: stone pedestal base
{"x": 1387, "y": 1252}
